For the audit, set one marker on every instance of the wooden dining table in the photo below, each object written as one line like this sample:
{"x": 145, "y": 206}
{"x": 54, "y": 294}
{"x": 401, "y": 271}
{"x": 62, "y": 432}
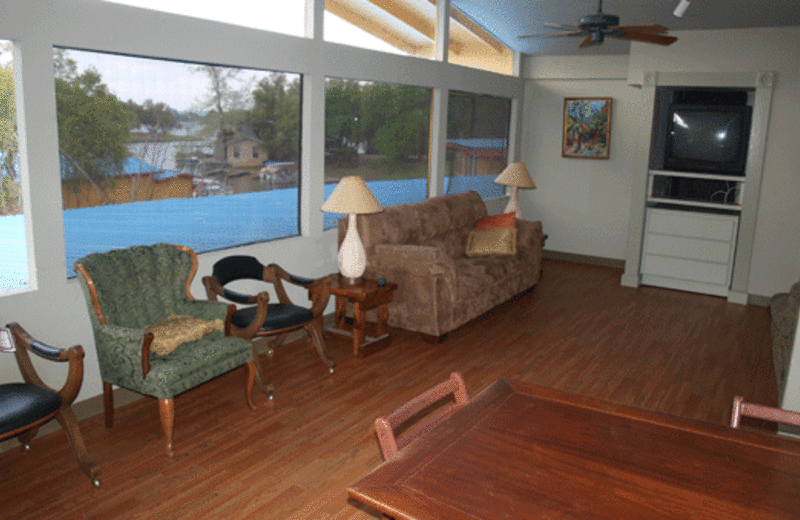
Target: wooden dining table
{"x": 519, "y": 451}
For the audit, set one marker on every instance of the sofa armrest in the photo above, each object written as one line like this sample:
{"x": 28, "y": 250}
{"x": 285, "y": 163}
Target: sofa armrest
{"x": 427, "y": 285}
{"x": 529, "y": 234}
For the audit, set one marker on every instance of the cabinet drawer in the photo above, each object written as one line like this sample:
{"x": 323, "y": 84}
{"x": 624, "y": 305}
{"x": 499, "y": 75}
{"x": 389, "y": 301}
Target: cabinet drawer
{"x": 685, "y": 269}
{"x": 695, "y": 225}
{"x": 689, "y": 248}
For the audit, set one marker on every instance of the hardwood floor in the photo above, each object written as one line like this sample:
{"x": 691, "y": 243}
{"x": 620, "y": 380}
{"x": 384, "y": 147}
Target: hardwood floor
{"x": 579, "y": 331}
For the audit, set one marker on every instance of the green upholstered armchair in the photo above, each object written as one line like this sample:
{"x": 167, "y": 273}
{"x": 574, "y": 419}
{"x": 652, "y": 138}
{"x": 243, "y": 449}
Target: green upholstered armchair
{"x": 130, "y": 289}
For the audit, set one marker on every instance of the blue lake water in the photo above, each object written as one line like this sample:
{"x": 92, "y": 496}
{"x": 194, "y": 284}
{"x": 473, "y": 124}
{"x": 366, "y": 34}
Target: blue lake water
{"x": 203, "y": 223}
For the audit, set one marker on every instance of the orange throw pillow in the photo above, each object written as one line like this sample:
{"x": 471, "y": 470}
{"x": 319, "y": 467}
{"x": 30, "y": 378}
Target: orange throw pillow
{"x": 506, "y": 220}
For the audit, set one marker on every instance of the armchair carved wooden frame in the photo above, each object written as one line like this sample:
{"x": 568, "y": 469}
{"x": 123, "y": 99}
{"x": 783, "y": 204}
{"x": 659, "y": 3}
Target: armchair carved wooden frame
{"x": 24, "y": 407}
{"x": 130, "y": 289}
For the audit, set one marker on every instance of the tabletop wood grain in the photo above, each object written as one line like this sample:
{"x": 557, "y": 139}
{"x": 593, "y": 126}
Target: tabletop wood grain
{"x": 520, "y": 451}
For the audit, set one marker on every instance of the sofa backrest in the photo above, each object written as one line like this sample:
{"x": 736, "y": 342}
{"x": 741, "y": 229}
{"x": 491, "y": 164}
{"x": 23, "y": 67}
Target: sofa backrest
{"x": 418, "y": 222}
{"x": 140, "y": 285}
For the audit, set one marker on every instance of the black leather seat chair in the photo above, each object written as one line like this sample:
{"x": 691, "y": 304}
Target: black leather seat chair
{"x": 264, "y": 318}
{"x": 24, "y": 407}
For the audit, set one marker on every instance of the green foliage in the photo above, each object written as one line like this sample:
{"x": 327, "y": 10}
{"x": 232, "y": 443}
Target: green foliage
{"x": 342, "y": 111}
{"x": 391, "y": 120}
{"x": 405, "y": 133}
{"x": 275, "y": 118}
{"x": 93, "y": 126}
{"x": 10, "y": 201}
{"x": 159, "y": 118}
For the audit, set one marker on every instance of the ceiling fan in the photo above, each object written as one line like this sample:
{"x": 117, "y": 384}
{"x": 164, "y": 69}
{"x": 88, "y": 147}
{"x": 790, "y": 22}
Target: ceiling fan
{"x": 595, "y": 27}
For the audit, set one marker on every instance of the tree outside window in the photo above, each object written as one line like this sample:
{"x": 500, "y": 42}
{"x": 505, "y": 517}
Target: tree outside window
{"x": 159, "y": 151}
{"x": 15, "y": 274}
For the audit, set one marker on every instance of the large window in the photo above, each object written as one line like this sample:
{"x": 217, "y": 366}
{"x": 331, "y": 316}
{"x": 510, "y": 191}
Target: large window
{"x": 281, "y": 16}
{"x": 14, "y": 271}
{"x": 163, "y": 151}
{"x": 477, "y": 142}
{"x": 380, "y": 132}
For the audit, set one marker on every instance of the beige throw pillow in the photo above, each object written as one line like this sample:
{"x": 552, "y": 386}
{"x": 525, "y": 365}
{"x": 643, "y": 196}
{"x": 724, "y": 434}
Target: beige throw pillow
{"x": 170, "y": 334}
{"x": 501, "y": 241}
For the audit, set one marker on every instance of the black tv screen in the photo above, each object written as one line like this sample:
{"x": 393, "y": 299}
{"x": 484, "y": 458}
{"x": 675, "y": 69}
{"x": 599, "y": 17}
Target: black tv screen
{"x": 708, "y": 139}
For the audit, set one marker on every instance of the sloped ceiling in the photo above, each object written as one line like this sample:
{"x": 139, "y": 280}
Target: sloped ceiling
{"x": 508, "y": 19}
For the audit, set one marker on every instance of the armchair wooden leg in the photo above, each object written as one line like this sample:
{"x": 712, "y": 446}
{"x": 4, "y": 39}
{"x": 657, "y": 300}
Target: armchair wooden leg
{"x": 108, "y": 403}
{"x": 248, "y": 388}
{"x": 166, "y": 409}
{"x": 315, "y": 333}
{"x": 276, "y": 342}
{"x": 26, "y": 437}
{"x": 69, "y": 424}
{"x": 259, "y": 376}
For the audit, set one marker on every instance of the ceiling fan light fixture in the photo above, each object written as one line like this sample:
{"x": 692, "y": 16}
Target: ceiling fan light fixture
{"x": 680, "y": 10}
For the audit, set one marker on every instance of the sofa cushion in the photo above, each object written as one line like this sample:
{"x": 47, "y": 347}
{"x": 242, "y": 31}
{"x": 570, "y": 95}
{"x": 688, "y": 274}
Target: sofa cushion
{"x": 506, "y": 220}
{"x": 500, "y": 241}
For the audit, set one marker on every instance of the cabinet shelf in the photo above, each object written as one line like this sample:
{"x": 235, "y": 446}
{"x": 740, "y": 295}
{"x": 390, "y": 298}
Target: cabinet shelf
{"x": 695, "y": 191}
{"x": 699, "y": 175}
{"x": 694, "y": 204}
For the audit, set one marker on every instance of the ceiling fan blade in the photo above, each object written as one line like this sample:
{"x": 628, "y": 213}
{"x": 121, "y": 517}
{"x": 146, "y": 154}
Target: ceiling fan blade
{"x": 562, "y": 26}
{"x": 588, "y": 42}
{"x": 552, "y": 35}
{"x": 659, "y": 39}
{"x": 652, "y": 28}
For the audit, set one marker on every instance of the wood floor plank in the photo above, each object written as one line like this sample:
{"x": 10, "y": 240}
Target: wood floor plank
{"x": 579, "y": 330}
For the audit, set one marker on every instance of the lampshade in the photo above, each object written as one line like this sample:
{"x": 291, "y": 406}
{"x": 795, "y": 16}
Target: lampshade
{"x": 515, "y": 174}
{"x": 352, "y": 196}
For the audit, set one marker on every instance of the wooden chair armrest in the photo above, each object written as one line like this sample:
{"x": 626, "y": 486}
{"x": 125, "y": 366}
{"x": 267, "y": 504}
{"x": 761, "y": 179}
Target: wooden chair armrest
{"x": 321, "y": 295}
{"x": 262, "y": 299}
{"x": 214, "y": 290}
{"x": 280, "y": 275}
{"x": 74, "y": 355}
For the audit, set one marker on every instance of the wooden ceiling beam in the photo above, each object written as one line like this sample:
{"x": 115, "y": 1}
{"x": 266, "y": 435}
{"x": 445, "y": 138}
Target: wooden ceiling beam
{"x": 427, "y": 27}
{"x": 361, "y": 20}
{"x": 475, "y": 29}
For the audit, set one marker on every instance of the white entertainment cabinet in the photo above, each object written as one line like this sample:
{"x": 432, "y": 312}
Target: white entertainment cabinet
{"x": 694, "y": 245}
{"x": 690, "y": 245}
{"x": 691, "y": 218}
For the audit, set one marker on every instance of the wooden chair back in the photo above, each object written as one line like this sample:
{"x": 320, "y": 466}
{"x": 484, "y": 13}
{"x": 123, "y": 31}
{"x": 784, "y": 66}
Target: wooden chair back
{"x": 387, "y": 427}
{"x": 759, "y": 411}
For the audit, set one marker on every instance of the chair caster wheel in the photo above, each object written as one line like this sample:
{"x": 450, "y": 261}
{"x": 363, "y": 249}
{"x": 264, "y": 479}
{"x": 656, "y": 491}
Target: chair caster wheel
{"x": 96, "y": 482}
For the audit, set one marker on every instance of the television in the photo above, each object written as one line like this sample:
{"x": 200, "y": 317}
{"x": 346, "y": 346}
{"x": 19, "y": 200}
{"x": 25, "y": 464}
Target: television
{"x": 708, "y": 139}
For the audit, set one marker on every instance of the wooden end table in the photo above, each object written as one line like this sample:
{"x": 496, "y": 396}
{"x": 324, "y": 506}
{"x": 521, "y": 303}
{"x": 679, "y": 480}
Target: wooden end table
{"x": 364, "y": 296}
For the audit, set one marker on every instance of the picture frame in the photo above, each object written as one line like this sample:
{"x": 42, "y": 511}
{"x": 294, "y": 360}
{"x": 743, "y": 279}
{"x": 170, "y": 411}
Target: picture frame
{"x": 587, "y": 128}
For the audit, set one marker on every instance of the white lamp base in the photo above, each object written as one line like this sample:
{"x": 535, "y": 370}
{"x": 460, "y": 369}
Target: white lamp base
{"x": 352, "y": 255}
{"x": 513, "y": 204}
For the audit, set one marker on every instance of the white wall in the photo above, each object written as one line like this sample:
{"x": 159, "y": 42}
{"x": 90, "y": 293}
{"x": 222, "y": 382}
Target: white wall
{"x": 583, "y": 202}
{"x": 55, "y": 311}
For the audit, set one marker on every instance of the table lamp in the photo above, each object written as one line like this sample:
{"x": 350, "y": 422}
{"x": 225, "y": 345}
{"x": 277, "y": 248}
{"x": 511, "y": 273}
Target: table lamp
{"x": 515, "y": 175}
{"x": 353, "y": 197}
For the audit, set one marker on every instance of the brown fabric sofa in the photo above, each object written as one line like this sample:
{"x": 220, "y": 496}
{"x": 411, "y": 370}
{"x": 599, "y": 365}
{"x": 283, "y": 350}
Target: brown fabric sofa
{"x": 421, "y": 247}
{"x": 783, "y": 308}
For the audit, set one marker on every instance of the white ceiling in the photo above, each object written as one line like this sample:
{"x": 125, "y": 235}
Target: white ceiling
{"x": 508, "y": 19}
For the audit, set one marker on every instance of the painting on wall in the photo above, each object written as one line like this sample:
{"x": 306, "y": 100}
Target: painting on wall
{"x": 587, "y": 128}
